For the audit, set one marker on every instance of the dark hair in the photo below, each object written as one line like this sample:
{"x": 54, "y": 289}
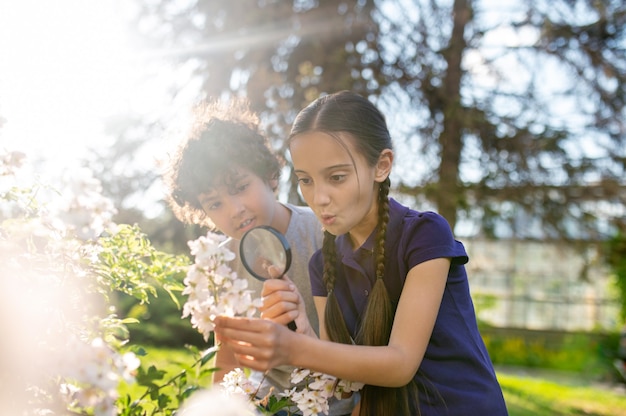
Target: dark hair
{"x": 224, "y": 138}
{"x": 346, "y": 112}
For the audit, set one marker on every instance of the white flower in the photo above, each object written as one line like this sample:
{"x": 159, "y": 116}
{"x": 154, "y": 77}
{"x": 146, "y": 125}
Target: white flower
{"x": 345, "y": 386}
{"x": 216, "y": 402}
{"x": 314, "y": 389}
{"x": 299, "y": 374}
{"x": 212, "y": 288}
{"x": 95, "y": 371}
{"x": 10, "y": 162}
{"x": 236, "y": 382}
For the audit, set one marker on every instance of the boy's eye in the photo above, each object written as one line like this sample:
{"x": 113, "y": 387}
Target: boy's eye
{"x": 240, "y": 188}
{"x": 214, "y": 206}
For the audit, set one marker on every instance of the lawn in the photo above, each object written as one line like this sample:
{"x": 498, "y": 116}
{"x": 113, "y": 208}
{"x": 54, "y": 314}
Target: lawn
{"x": 533, "y": 393}
{"x": 527, "y": 393}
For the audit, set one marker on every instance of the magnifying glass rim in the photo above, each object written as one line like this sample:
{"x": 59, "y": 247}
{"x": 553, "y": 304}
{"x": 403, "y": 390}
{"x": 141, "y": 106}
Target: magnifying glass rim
{"x": 281, "y": 238}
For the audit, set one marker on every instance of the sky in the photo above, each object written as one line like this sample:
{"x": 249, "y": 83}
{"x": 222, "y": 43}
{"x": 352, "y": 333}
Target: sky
{"x": 65, "y": 67}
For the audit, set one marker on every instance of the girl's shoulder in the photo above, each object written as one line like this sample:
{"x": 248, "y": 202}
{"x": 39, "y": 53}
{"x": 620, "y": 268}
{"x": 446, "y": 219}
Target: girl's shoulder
{"x": 426, "y": 233}
{"x": 408, "y": 218}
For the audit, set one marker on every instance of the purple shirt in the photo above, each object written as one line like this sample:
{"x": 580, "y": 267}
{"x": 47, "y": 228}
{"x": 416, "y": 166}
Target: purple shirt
{"x": 456, "y": 376}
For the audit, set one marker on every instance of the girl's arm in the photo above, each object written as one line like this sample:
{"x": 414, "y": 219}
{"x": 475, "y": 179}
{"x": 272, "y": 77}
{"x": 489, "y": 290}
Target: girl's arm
{"x": 262, "y": 344}
{"x": 283, "y": 303}
{"x": 225, "y": 362}
{"x": 320, "y": 307}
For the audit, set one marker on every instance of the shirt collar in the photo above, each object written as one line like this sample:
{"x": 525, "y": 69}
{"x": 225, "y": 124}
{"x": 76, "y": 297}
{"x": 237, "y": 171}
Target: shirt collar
{"x": 396, "y": 213}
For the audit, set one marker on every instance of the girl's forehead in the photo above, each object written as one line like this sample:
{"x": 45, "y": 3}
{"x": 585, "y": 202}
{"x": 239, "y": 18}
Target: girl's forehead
{"x": 338, "y": 142}
{"x": 316, "y": 151}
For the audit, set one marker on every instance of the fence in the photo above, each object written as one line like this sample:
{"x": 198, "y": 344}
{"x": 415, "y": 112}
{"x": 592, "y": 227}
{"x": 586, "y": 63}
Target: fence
{"x": 540, "y": 285}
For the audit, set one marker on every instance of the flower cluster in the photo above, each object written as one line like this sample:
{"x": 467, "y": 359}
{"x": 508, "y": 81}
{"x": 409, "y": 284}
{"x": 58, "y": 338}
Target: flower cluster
{"x": 236, "y": 382}
{"x": 84, "y": 210}
{"x": 93, "y": 373}
{"x": 49, "y": 359}
{"x": 10, "y": 162}
{"x": 212, "y": 287}
{"x": 319, "y": 387}
{"x": 217, "y": 402}
{"x": 310, "y": 393}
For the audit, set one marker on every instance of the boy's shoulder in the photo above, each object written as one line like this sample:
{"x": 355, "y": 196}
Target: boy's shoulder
{"x": 301, "y": 215}
{"x": 300, "y": 209}
{"x": 303, "y": 223}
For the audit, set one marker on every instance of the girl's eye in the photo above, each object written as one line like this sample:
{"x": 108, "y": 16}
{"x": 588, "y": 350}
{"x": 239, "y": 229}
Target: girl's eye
{"x": 304, "y": 181}
{"x": 337, "y": 178}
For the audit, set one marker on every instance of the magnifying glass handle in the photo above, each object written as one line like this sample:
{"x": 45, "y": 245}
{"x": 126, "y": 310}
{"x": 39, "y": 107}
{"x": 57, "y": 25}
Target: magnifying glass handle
{"x": 292, "y": 325}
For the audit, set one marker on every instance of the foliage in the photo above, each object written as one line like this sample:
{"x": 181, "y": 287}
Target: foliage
{"x": 81, "y": 350}
{"x": 71, "y": 352}
{"x": 574, "y": 352}
{"x": 498, "y": 103}
{"x": 128, "y": 263}
{"x": 159, "y": 322}
{"x": 530, "y": 395}
{"x": 616, "y": 259}
{"x": 162, "y": 389}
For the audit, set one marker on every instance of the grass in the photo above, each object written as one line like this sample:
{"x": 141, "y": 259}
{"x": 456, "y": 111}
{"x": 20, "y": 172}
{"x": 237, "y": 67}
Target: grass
{"x": 527, "y": 393}
{"x": 559, "y": 394}
{"x": 172, "y": 363}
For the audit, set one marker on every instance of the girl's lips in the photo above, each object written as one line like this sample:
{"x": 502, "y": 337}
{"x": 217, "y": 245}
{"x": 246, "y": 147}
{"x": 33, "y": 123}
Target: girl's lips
{"x": 328, "y": 219}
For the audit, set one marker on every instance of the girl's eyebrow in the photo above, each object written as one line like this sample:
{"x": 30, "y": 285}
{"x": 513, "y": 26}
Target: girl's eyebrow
{"x": 328, "y": 168}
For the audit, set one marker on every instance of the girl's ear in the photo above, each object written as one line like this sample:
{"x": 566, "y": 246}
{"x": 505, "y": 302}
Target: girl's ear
{"x": 383, "y": 166}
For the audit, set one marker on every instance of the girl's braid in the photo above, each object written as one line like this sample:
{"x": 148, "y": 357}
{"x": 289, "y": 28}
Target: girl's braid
{"x": 333, "y": 318}
{"x": 378, "y": 317}
{"x": 383, "y": 220}
{"x": 378, "y": 321}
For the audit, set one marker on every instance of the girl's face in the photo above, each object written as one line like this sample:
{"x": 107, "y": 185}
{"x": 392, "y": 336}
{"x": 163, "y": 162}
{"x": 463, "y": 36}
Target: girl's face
{"x": 247, "y": 202}
{"x": 337, "y": 182}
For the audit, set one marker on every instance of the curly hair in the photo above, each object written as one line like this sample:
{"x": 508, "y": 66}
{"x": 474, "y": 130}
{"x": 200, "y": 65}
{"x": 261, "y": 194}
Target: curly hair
{"x": 224, "y": 138}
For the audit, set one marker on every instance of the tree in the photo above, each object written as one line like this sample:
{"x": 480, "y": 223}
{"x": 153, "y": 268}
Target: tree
{"x": 280, "y": 54}
{"x": 513, "y": 113}
{"x": 508, "y": 97}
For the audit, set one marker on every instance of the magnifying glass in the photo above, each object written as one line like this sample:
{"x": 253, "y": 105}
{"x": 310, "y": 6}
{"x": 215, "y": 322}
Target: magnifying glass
{"x": 266, "y": 254}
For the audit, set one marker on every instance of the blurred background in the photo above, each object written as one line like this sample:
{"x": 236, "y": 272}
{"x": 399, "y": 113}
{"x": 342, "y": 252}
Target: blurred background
{"x": 508, "y": 118}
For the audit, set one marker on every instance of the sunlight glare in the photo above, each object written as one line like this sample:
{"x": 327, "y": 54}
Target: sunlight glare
{"x": 64, "y": 66}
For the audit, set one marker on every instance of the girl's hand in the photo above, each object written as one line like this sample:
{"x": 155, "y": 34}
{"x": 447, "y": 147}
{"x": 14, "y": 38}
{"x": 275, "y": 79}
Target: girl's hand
{"x": 282, "y": 303}
{"x": 259, "y": 344}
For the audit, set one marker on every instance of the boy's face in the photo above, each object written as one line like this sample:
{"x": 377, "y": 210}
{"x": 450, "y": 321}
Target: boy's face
{"x": 246, "y": 201}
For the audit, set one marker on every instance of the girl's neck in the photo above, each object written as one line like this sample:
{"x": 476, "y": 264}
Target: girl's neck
{"x": 360, "y": 232}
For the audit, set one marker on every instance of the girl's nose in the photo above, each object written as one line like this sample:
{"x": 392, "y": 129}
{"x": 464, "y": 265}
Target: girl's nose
{"x": 320, "y": 196}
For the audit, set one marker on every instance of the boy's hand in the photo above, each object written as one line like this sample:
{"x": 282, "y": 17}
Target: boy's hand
{"x": 282, "y": 303}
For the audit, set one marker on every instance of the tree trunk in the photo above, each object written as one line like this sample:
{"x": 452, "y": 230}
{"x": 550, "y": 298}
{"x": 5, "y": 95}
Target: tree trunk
{"x": 450, "y": 140}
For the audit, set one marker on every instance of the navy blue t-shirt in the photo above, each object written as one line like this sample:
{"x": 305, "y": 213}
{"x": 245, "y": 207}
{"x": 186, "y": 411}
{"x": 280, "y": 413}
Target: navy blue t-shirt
{"x": 456, "y": 376}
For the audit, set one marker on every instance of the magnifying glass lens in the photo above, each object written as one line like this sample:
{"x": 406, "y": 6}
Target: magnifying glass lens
{"x": 265, "y": 253}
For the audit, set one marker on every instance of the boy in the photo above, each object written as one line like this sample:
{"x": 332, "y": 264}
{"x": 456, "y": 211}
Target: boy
{"x": 224, "y": 176}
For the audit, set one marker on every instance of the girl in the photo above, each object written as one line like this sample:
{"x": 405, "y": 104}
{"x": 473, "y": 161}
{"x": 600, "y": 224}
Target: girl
{"x": 389, "y": 283}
